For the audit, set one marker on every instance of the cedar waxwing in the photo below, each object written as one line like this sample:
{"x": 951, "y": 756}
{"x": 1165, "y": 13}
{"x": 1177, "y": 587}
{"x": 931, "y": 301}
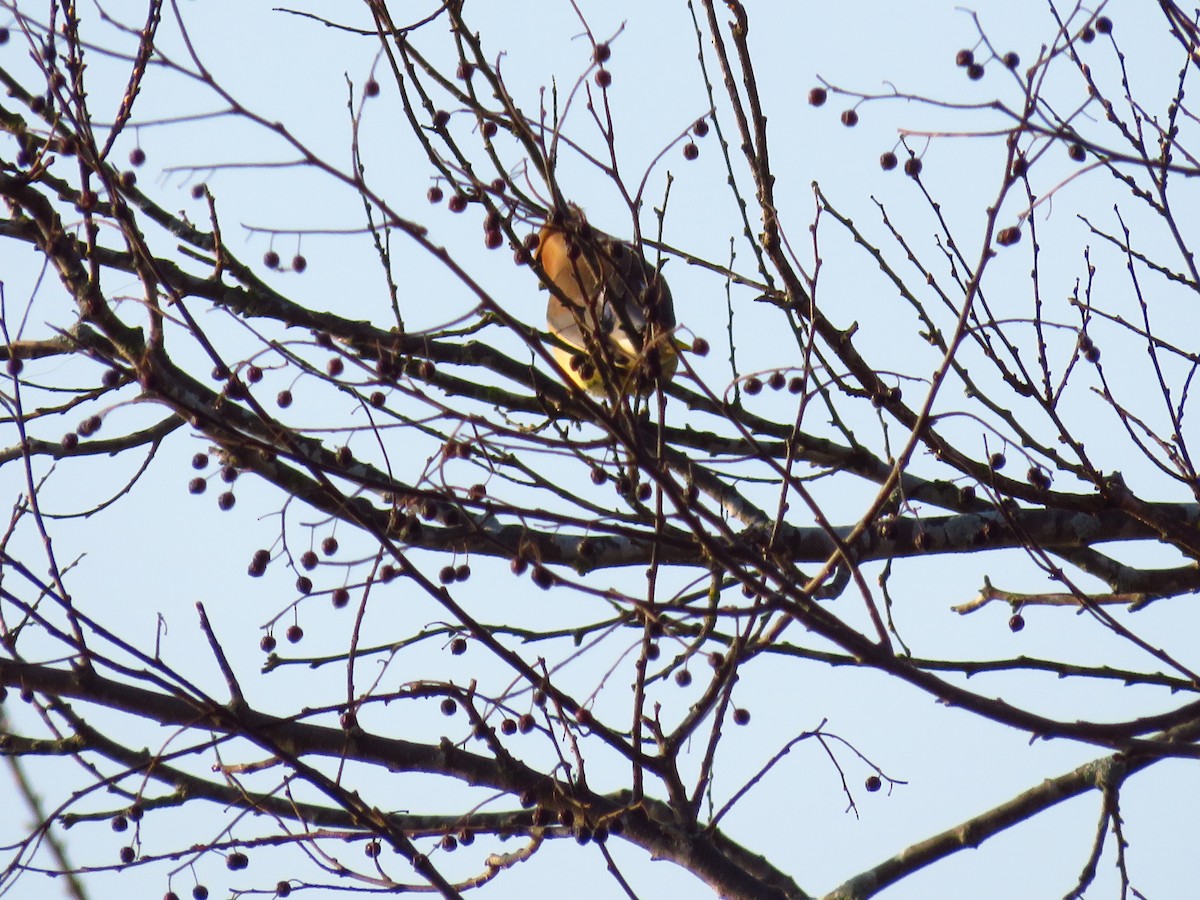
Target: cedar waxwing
{"x": 618, "y": 318}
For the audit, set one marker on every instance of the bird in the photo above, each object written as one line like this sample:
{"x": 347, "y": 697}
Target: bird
{"x": 610, "y": 310}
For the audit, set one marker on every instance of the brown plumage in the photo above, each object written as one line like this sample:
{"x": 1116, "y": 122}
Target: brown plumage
{"x": 618, "y": 315}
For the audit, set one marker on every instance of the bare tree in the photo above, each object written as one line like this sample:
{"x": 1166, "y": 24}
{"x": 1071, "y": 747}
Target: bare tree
{"x": 519, "y": 612}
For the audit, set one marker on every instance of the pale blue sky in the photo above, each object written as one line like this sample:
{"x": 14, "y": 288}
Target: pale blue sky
{"x": 178, "y": 549}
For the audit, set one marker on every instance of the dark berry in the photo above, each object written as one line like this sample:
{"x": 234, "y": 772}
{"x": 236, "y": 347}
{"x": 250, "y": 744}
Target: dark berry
{"x": 543, "y": 577}
{"x": 258, "y": 564}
